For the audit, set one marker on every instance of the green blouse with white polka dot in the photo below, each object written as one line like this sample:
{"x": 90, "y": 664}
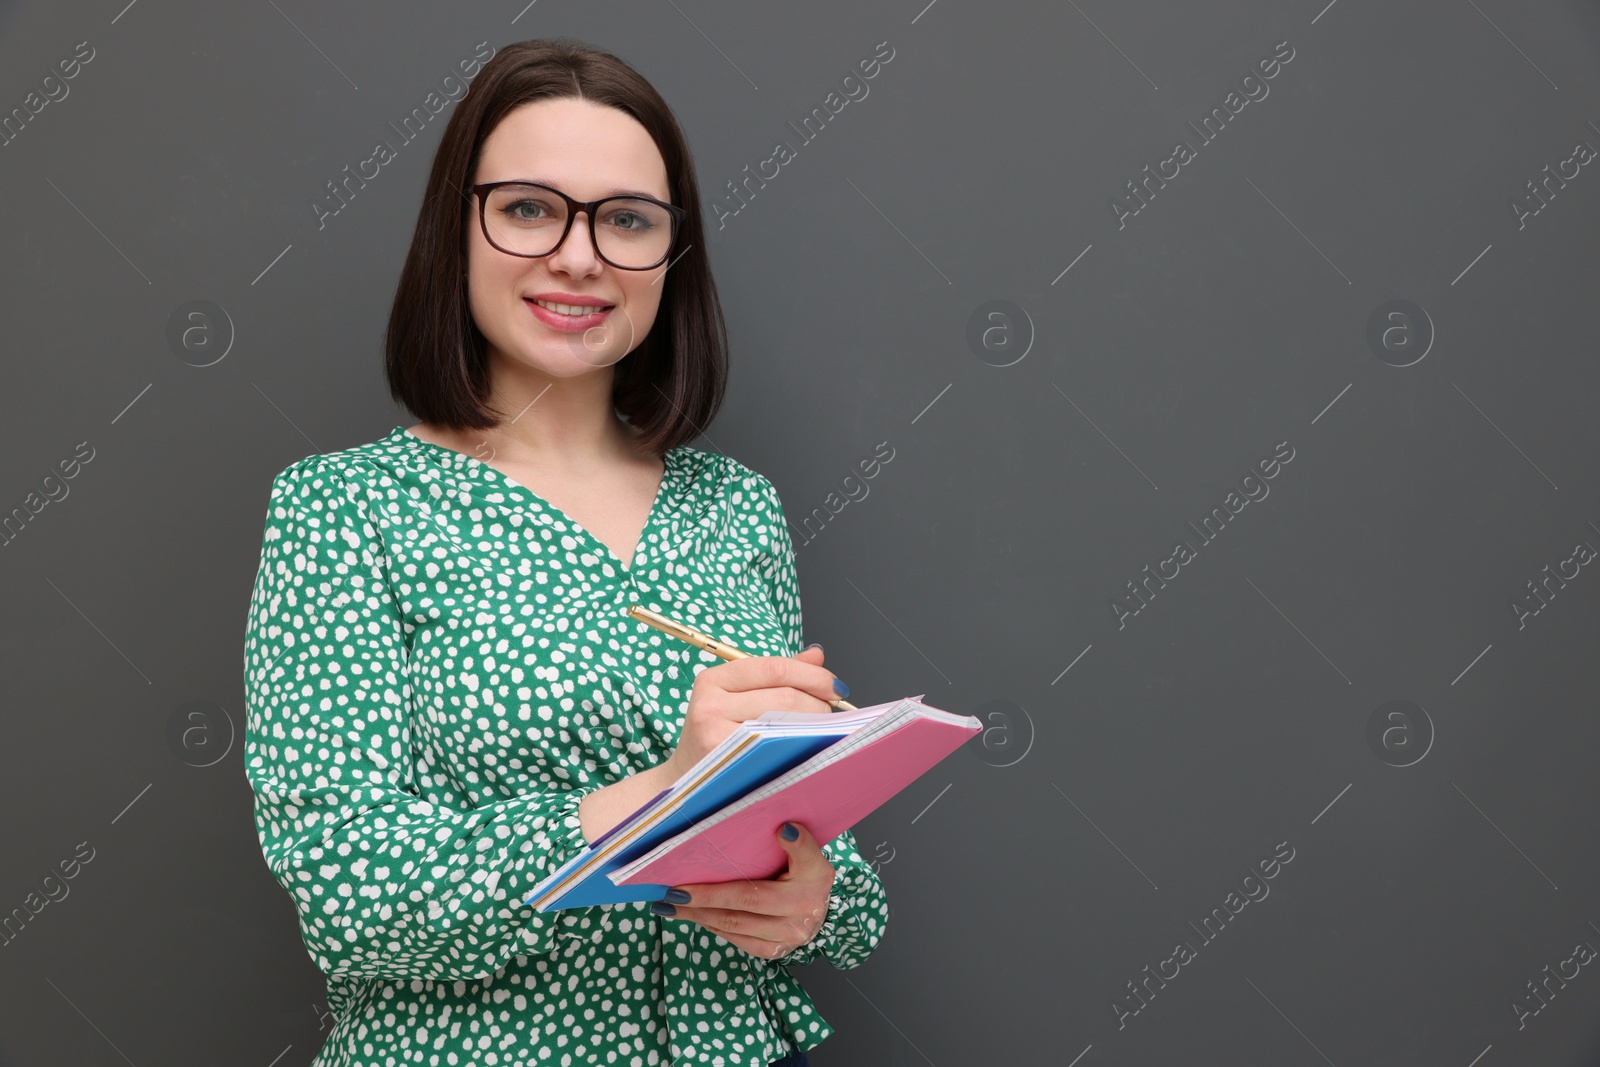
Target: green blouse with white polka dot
{"x": 438, "y": 666}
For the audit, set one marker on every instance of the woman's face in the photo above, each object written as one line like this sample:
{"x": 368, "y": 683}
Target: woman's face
{"x": 587, "y": 151}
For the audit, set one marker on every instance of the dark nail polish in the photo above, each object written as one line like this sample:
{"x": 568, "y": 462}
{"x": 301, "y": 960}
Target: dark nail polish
{"x": 789, "y": 832}
{"x": 677, "y": 896}
{"x": 809, "y": 647}
{"x": 840, "y": 688}
{"x": 661, "y": 907}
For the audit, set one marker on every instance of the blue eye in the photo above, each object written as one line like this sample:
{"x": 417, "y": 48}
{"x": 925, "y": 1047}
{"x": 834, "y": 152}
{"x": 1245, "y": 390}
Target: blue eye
{"x": 514, "y": 211}
{"x": 630, "y": 221}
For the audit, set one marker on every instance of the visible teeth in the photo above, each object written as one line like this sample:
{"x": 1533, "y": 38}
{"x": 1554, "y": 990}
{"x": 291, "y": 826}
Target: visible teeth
{"x": 568, "y": 309}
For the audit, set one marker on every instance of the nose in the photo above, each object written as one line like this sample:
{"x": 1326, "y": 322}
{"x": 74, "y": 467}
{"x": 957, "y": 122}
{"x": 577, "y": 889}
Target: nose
{"x": 577, "y": 252}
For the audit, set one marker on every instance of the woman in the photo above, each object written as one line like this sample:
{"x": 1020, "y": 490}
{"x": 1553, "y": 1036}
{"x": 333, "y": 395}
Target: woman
{"x": 446, "y": 700}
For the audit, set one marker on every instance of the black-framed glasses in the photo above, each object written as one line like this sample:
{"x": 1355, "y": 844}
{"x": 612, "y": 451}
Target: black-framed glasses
{"x": 528, "y": 219}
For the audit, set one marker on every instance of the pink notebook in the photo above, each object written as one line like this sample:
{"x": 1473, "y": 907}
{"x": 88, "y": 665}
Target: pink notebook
{"x": 829, "y": 794}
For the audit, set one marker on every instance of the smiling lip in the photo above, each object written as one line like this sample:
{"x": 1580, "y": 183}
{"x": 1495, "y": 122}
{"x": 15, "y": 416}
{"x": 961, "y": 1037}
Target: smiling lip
{"x": 569, "y": 298}
{"x": 569, "y": 323}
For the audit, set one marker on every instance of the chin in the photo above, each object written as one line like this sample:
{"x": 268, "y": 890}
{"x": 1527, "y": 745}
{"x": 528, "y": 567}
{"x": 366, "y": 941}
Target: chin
{"x": 560, "y": 359}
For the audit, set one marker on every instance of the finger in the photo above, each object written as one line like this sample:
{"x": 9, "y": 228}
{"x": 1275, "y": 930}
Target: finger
{"x": 763, "y": 897}
{"x": 811, "y": 654}
{"x": 796, "y": 928}
{"x": 775, "y": 672}
{"x": 748, "y": 704}
{"x": 753, "y": 702}
{"x": 779, "y": 895}
{"x": 806, "y": 858}
{"x": 790, "y": 929}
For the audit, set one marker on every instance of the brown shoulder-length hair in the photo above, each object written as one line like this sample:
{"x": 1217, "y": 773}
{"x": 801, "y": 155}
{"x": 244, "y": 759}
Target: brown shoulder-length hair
{"x": 671, "y": 385}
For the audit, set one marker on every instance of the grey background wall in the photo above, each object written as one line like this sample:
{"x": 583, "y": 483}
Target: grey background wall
{"x": 1316, "y": 787}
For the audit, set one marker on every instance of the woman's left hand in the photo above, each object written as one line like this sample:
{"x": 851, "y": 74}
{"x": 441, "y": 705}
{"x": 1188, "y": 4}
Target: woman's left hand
{"x": 768, "y": 918}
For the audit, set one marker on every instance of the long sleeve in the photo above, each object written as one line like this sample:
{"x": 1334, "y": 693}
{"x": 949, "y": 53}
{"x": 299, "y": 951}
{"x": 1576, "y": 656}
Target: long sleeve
{"x": 386, "y": 883}
{"x": 858, "y": 909}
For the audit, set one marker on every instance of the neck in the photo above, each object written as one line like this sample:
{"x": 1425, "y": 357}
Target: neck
{"x": 558, "y": 422}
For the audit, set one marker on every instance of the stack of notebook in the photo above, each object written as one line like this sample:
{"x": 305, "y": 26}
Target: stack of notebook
{"x": 718, "y": 822}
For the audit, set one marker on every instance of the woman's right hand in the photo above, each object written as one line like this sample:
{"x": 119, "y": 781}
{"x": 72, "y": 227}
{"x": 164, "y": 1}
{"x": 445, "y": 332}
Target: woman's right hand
{"x": 729, "y": 693}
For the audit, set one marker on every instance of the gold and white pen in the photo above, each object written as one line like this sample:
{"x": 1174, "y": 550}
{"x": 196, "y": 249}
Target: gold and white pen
{"x": 704, "y": 641}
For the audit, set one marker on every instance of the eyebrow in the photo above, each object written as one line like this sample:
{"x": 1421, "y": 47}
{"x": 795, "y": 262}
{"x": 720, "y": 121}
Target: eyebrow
{"x": 614, "y": 192}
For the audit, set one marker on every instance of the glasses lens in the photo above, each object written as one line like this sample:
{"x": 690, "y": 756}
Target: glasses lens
{"x": 527, "y": 220}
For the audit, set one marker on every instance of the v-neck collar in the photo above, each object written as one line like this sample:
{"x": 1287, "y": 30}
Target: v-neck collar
{"x": 662, "y": 509}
